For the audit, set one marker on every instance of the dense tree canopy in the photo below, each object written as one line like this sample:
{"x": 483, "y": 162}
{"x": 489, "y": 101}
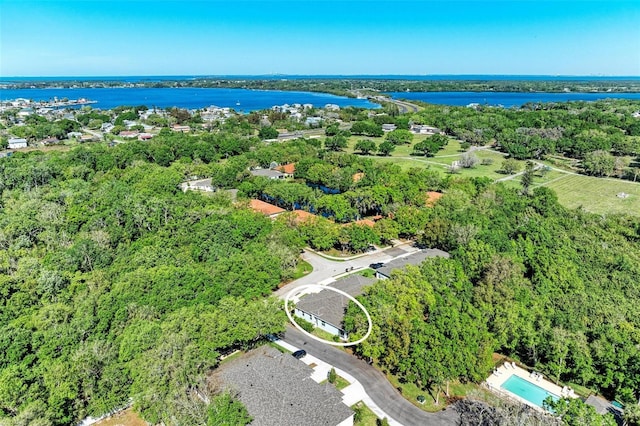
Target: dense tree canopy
{"x": 556, "y": 289}
{"x": 116, "y": 284}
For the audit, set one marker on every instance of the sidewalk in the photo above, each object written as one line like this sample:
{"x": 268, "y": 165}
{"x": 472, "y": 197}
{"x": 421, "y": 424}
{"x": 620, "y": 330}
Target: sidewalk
{"x": 351, "y": 394}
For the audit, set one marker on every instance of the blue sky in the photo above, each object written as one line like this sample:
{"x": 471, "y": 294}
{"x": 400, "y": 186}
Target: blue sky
{"x": 88, "y": 38}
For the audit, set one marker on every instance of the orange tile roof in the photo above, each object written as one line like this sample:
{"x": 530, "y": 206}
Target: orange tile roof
{"x": 432, "y": 197}
{"x": 265, "y": 208}
{"x": 358, "y": 176}
{"x": 301, "y": 215}
{"x": 365, "y": 222}
{"x": 287, "y": 168}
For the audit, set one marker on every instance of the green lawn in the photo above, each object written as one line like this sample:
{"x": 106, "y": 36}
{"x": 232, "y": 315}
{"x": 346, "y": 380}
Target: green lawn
{"x": 302, "y": 268}
{"x": 367, "y": 418}
{"x": 340, "y": 383}
{"x": 410, "y": 392}
{"x": 597, "y": 195}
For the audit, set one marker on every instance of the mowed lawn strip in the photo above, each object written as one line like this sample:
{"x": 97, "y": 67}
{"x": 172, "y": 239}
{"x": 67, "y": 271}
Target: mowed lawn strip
{"x": 597, "y": 195}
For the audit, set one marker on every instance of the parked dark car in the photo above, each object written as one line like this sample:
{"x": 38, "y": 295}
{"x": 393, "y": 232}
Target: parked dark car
{"x": 299, "y": 354}
{"x": 376, "y": 265}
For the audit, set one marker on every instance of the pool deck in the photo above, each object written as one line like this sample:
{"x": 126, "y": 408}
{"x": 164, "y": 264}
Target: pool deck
{"x": 495, "y": 381}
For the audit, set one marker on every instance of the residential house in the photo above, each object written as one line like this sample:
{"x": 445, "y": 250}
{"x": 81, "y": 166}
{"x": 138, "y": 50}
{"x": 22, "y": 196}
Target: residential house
{"x": 415, "y": 259}
{"x": 325, "y": 309}
{"x": 388, "y": 127}
{"x": 197, "y": 185}
{"x": 25, "y": 112}
{"x": 129, "y": 123}
{"x": 313, "y": 121}
{"x": 50, "y": 141}
{"x": 364, "y": 222}
{"x": 75, "y": 135}
{"x": 421, "y": 129}
{"x": 179, "y": 128}
{"x": 287, "y": 169}
{"x": 265, "y": 208}
{"x": 144, "y": 136}
{"x": 16, "y": 143}
{"x": 300, "y": 216}
{"x": 268, "y": 173}
{"x": 129, "y": 134}
{"x": 278, "y": 389}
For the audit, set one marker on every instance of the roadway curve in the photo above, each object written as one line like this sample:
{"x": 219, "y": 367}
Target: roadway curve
{"x": 374, "y": 382}
{"x": 403, "y": 106}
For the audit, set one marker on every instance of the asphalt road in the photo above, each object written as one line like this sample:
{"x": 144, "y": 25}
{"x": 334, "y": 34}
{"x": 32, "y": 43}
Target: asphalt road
{"x": 374, "y": 382}
{"x": 403, "y": 106}
{"x": 324, "y": 268}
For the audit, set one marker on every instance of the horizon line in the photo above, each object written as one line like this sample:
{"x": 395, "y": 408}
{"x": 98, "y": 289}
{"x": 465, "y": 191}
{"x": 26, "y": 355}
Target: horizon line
{"x": 325, "y": 75}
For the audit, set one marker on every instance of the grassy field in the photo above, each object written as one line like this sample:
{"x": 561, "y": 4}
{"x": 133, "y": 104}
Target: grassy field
{"x": 597, "y": 195}
{"x": 411, "y": 391}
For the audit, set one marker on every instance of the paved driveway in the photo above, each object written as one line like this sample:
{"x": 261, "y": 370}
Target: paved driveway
{"x": 325, "y": 269}
{"x": 374, "y": 382}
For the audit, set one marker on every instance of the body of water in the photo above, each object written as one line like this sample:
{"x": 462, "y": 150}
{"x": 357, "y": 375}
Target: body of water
{"x": 246, "y": 100}
{"x": 505, "y": 99}
{"x": 242, "y": 100}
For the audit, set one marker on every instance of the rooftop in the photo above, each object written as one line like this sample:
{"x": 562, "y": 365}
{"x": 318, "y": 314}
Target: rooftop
{"x": 330, "y": 305}
{"x": 277, "y": 389}
{"x": 603, "y": 406}
{"x": 365, "y": 222}
{"x": 269, "y": 173}
{"x": 413, "y": 259}
{"x": 302, "y": 216}
{"x": 432, "y": 197}
{"x": 357, "y": 177}
{"x": 287, "y": 168}
{"x": 265, "y": 208}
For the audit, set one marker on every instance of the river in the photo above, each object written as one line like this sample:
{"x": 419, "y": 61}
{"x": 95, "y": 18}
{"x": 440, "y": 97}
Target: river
{"x": 506, "y": 99}
{"x": 242, "y": 100}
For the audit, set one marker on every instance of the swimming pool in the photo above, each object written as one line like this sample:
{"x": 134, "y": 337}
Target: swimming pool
{"x": 527, "y": 390}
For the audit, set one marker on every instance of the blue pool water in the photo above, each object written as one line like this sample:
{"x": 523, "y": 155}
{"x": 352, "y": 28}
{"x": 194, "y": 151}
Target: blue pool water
{"x": 527, "y": 390}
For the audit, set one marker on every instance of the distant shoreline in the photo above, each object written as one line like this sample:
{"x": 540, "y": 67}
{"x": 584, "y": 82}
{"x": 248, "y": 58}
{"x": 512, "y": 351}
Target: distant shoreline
{"x": 352, "y": 86}
{"x": 436, "y": 77}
